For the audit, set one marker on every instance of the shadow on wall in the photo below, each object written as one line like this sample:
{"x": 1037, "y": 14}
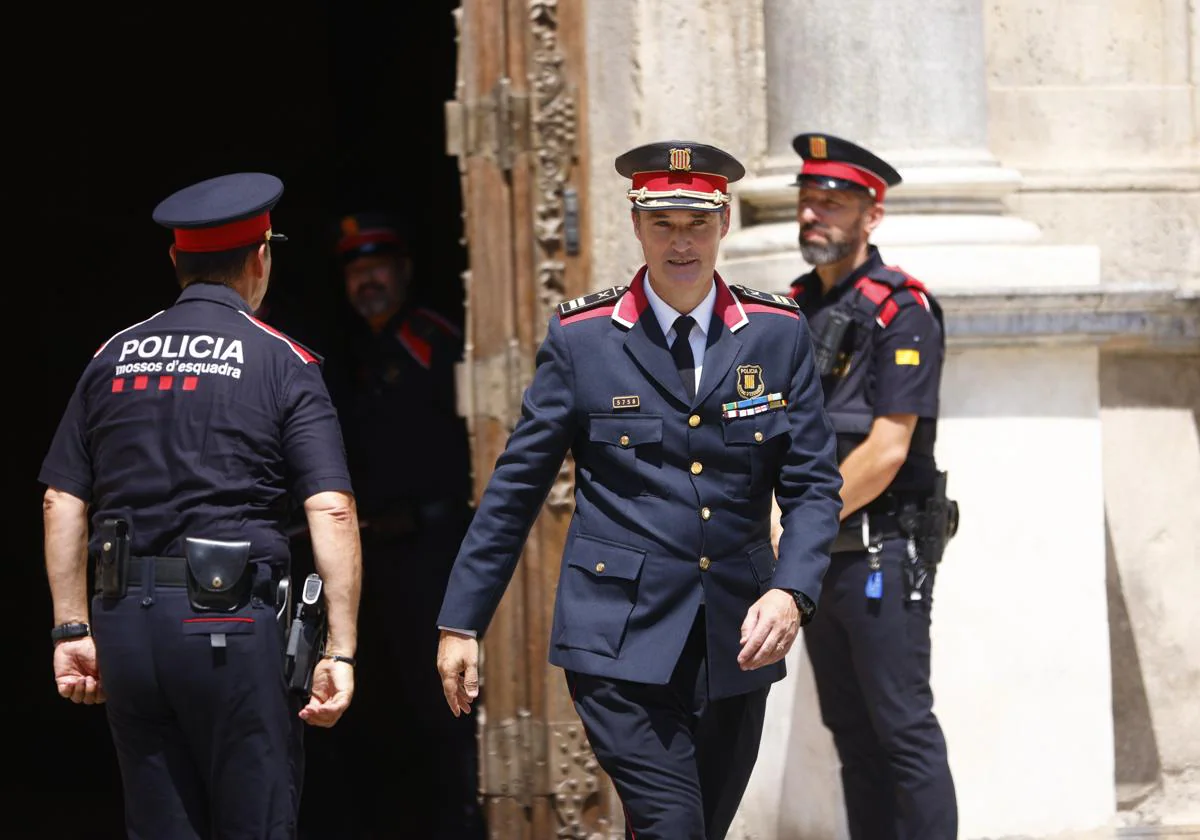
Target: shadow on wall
{"x": 1152, "y": 490}
{"x": 1137, "y": 764}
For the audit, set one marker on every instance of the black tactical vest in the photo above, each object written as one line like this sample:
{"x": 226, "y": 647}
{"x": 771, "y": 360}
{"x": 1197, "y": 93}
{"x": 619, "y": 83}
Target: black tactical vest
{"x": 871, "y": 296}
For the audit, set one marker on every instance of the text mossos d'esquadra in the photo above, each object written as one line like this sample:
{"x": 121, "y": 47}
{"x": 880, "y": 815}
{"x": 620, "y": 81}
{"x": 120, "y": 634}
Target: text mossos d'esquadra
{"x": 186, "y": 354}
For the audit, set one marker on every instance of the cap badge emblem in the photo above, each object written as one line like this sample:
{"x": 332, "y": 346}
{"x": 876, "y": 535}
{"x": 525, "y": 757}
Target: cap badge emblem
{"x": 817, "y": 148}
{"x": 681, "y": 160}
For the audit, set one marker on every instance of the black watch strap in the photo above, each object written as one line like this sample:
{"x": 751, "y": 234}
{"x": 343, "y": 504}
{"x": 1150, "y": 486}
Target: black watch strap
{"x": 804, "y": 604}
{"x": 70, "y": 630}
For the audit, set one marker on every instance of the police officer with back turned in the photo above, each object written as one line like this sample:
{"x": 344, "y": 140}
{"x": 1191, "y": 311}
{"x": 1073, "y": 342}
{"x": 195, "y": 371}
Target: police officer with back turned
{"x": 188, "y": 440}
{"x": 686, "y": 403}
{"x": 879, "y": 343}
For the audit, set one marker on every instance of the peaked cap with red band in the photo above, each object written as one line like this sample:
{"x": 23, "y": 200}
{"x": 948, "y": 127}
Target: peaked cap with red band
{"x": 831, "y": 163}
{"x": 365, "y": 234}
{"x": 222, "y": 213}
{"x": 679, "y": 175}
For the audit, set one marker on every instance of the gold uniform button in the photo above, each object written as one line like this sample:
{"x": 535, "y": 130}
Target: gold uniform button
{"x": 704, "y": 564}
{"x": 694, "y": 420}
{"x": 758, "y": 436}
{"x": 705, "y": 513}
{"x": 697, "y": 468}
{"x": 624, "y": 440}
{"x": 600, "y": 568}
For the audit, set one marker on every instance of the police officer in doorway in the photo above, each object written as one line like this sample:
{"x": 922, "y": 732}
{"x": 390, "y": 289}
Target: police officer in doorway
{"x": 190, "y": 437}
{"x": 409, "y": 454}
{"x": 879, "y": 340}
{"x": 686, "y": 402}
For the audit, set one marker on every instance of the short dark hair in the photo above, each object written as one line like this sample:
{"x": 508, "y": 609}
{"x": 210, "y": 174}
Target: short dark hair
{"x": 223, "y": 267}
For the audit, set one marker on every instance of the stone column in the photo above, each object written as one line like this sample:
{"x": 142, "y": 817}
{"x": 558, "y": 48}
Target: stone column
{"x": 927, "y": 109}
{"x": 905, "y": 79}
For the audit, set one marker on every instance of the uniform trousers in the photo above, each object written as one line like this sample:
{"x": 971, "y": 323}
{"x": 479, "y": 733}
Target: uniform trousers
{"x": 679, "y": 761}
{"x": 209, "y": 744}
{"x": 871, "y": 662}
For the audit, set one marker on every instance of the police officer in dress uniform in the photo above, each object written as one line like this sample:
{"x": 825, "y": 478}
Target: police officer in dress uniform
{"x": 686, "y": 402}
{"x": 409, "y": 453}
{"x": 879, "y": 340}
{"x": 188, "y": 439}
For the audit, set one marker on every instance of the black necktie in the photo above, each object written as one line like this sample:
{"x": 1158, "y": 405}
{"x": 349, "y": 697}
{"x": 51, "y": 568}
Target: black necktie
{"x": 681, "y": 352}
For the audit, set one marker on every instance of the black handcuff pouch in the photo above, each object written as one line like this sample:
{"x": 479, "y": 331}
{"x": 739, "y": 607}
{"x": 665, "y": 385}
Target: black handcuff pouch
{"x": 219, "y": 574}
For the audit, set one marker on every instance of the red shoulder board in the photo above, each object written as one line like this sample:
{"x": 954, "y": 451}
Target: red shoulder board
{"x": 883, "y": 292}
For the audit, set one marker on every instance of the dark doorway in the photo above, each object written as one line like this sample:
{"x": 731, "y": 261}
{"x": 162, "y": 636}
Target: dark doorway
{"x": 120, "y": 105}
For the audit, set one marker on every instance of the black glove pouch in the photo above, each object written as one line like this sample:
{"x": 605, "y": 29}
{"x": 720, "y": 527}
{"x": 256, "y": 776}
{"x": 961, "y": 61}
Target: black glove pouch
{"x": 219, "y": 574}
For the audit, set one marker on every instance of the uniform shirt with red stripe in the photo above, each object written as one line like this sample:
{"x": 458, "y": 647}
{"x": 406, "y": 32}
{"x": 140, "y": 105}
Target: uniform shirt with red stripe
{"x": 199, "y": 421}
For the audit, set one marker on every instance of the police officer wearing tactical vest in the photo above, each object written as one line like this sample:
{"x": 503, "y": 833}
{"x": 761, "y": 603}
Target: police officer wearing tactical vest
{"x": 686, "y": 403}
{"x": 188, "y": 440}
{"x": 879, "y": 340}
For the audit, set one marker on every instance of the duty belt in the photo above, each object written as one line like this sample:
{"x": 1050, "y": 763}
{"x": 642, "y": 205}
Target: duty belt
{"x": 863, "y": 529}
{"x": 168, "y": 571}
{"x": 172, "y": 572}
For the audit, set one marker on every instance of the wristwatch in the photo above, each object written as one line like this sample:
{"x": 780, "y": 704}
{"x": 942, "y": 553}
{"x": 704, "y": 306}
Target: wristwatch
{"x": 804, "y": 604}
{"x": 70, "y": 630}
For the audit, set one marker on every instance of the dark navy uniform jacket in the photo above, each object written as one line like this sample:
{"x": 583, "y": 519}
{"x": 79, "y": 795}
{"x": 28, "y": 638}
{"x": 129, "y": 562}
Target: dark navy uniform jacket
{"x": 890, "y": 361}
{"x": 672, "y": 501}
{"x": 200, "y": 421}
{"x": 407, "y": 443}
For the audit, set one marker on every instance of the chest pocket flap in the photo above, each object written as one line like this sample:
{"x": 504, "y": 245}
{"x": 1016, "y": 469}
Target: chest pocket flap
{"x": 757, "y": 430}
{"x": 625, "y": 430}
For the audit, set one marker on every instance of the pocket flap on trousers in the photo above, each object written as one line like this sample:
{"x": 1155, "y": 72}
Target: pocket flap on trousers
{"x": 229, "y": 625}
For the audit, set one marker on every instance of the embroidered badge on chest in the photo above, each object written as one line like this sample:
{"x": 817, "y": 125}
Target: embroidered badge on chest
{"x": 750, "y": 381}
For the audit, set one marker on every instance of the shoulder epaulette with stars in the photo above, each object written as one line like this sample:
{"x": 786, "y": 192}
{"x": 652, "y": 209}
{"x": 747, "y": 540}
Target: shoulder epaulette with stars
{"x": 585, "y": 302}
{"x": 769, "y": 298}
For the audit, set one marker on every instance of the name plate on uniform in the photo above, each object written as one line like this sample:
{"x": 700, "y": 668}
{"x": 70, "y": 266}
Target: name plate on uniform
{"x": 632, "y": 401}
{"x": 752, "y": 406}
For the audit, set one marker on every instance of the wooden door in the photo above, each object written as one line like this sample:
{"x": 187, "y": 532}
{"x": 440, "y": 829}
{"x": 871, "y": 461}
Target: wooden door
{"x": 516, "y": 126}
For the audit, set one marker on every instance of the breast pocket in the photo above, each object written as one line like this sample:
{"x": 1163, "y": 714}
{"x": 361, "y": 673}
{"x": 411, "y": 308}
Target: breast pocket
{"x": 757, "y": 445}
{"x": 625, "y": 451}
{"x": 599, "y": 591}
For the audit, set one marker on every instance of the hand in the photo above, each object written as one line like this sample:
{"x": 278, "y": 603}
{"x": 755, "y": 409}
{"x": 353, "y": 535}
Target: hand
{"x": 769, "y": 630}
{"x": 458, "y": 663}
{"x": 332, "y": 690}
{"x": 76, "y": 672}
